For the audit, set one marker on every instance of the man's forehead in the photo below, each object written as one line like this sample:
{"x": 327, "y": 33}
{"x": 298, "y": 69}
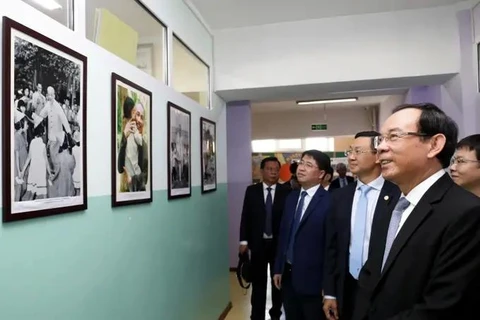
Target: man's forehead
{"x": 463, "y": 151}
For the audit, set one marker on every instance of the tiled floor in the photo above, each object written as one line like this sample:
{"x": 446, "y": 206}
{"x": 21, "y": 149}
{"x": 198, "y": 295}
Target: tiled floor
{"x": 241, "y": 301}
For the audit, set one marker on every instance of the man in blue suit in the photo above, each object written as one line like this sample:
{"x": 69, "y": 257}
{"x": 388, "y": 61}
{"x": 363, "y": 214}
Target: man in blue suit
{"x": 300, "y": 255}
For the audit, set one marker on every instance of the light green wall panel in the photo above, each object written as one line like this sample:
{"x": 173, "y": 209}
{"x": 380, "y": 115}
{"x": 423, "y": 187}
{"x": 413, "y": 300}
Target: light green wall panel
{"x": 166, "y": 261}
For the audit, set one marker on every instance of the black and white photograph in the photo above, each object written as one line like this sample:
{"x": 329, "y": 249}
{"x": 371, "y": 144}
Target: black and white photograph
{"x": 208, "y": 155}
{"x": 44, "y": 125}
{"x": 179, "y": 148}
{"x": 131, "y": 142}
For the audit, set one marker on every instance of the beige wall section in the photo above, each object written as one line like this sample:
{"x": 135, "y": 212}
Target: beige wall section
{"x": 342, "y": 143}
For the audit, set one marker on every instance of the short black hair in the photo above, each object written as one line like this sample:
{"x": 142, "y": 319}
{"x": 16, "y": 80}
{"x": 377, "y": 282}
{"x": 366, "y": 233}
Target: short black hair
{"x": 471, "y": 143}
{"x": 330, "y": 172}
{"x": 368, "y": 134}
{"x": 269, "y": 159}
{"x": 322, "y": 159}
{"x": 293, "y": 168}
{"x": 434, "y": 121}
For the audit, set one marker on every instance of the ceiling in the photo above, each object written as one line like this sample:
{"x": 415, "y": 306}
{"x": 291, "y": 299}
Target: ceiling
{"x": 234, "y": 13}
{"x": 285, "y": 106}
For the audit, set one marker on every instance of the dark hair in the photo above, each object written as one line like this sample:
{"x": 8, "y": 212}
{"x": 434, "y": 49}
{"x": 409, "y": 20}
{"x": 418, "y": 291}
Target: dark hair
{"x": 293, "y": 168}
{"x": 269, "y": 159}
{"x": 128, "y": 105}
{"x": 368, "y": 134}
{"x": 330, "y": 172}
{"x": 322, "y": 159}
{"x": 472, "y": 143}
{"x": 434, "y": 121}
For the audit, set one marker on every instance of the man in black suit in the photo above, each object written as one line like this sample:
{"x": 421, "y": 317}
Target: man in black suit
{"x": 361, "y": 212}
{"x": 430, "y": 266}
{"x": 259, "y": 227}
{"x": 343, "y": 180}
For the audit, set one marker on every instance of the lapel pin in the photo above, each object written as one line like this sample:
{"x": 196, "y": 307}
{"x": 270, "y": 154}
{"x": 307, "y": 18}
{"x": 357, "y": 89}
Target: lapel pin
{"x": 386, "y": 198}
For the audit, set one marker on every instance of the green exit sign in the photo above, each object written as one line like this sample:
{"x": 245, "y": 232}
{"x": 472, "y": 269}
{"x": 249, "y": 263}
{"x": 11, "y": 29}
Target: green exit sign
{"x": 319, "y": 127}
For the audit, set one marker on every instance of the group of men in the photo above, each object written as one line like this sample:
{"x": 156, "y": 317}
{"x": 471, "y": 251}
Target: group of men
{"x": 401, "y": 242}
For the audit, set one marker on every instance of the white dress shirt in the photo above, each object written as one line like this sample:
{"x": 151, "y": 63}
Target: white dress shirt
{"x": 372, "y": 198}
{"x": 265, "y": 194}
{"x": 416, "y": 194}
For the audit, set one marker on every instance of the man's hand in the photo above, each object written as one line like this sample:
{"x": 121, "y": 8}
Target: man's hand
{"x": 277, "y": 281}
{"x": 331, "y": 309}
{"x": 243, "y": 248}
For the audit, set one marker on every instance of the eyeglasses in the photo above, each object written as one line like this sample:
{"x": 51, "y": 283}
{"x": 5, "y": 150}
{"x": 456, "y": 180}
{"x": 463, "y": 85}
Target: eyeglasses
{"x": 307, "y": 164}
{"x": 357, "y": 152}
{"x": 395, "y": 136}
{"x": 460, "y": 161}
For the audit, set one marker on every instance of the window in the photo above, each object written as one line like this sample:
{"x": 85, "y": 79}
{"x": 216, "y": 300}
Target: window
{"x": 289, "y": 144}
{"x": 264, "y": 146}
{"x": 129, "y": 30}
{"x": 190, "y": 75}
{"x": 324, "y": 144}
{"x": 59, "y": 10}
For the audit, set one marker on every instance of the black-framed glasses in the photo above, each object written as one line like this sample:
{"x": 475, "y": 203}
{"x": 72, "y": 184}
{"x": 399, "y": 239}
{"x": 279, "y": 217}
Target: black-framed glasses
{"x": 460, "y": 161}
{"x": 395, "y": 136}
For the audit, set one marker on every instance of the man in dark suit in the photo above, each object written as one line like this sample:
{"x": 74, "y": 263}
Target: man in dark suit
{"x": 300, "y": 254}
{"x": 343, "y": 180}
{"x": 429, "y": 268}
{"x": 261, "y": 216}
{"x": 361, "y": 211}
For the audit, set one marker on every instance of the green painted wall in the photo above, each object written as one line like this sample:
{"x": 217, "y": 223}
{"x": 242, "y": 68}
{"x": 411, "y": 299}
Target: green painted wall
{"x": 163, "y": 261}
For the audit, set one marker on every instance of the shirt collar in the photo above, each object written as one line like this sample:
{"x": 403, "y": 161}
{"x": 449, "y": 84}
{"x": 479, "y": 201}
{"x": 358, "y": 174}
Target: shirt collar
{"x": 311, "y": 192}
{"x": 265, "y": 186}
{"x": 376, "y": 184}
{"x": 417, "y": 193}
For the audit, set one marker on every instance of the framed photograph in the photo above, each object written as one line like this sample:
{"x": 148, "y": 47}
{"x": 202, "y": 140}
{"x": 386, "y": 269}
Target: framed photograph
{"x": 131, "y": 143}
{"x": 145, "y": 58}
{"x": 208, "y": 138}
{"x": 44, "y": 125}
{"x": 179, "y": 152}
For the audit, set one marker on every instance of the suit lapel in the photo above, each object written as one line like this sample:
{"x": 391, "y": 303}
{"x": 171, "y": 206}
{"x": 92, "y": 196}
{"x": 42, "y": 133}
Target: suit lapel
{"x": 421, "y": 211}
{"x": 311, "y": 206}
{"x": 348, "y": 210}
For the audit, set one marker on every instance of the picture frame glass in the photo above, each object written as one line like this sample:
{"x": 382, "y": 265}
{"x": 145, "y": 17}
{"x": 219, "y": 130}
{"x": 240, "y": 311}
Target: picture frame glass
{"x": 132, "y": 150}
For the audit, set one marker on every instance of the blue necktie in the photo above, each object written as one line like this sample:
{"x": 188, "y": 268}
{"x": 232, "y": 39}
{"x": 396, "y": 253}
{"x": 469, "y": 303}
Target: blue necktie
{"x": 295, "y": 224}
{"x": 358, "y": 236}
{"x": 268, "y": 211}
{"x": 401, "y": 206}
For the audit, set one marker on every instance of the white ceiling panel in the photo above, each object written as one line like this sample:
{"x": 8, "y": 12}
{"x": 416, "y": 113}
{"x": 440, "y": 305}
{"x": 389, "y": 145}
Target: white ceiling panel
{"x": 223, "y": 14}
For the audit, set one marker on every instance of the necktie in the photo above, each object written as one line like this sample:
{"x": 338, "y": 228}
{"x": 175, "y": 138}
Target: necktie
{"x": 295, "y": 224}
{"x": 268, "y": 211}
{"x": 358, "y": 236}
{"x": 402, "y": 204}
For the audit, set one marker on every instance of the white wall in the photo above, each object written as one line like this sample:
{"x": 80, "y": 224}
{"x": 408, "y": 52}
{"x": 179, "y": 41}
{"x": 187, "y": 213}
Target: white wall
{"x": 387, "y": 106}
{"x": 288, "y": 124}
{"x": 102, "y": 63}
{"x": 374, "y": 46}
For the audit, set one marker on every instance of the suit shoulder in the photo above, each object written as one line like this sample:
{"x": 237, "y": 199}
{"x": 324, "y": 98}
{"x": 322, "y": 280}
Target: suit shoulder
{"x": 461, "y": 199}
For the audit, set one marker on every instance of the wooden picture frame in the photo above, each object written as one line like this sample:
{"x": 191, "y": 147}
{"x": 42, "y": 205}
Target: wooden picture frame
{"x": 44, "y": 133}
{"x": 208, "y": 155}
{"x": 131, "y": 155}
{"x": 179, "y": 126}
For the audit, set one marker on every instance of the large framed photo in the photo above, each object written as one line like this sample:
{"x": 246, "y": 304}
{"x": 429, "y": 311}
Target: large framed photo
{"x": 179, "y": 152}
{"x": 44, "y": 125}
{"x": 131, "y": 142}
{"x": 208, "y": 138}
